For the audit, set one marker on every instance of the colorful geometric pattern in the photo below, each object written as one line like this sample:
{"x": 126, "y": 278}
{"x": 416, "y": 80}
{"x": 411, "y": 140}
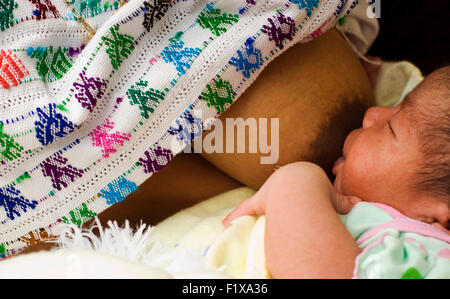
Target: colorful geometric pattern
{"x": 79, "y": 215}
{"x": 119, "y": 46}
{"x": 154, "y": 12}
{"x": 281, "y": 28}
{"x": 218, "y": 94}
{"x": 89, "y": 90}
{"x": 11, "y": 69}
{"x": 118, "y": 190}
{"x": 306, "y": 4}
{"x": 43, "y": 7}
{"x": 14, "y": 203}
{"x": 72, "y": 99}
{"x": 109, "y": 142}
{"x": 9, "y": 149}
{"x": 59, "y": 171}
{"x": 154, "y": 160}
{"x": 52, "y": 63}
{"x": 6, "y": 13}
{"x": 247, "y": 59}
{"x": 216, "y": 21}
{"x": 51, "y": 124}
{"x": 187, "y": 127}
{"x": 180, "y": 56}
{"x": 87, "y": 7}
{"x": 36, "y": 237}
{"x": 147, "y": 100}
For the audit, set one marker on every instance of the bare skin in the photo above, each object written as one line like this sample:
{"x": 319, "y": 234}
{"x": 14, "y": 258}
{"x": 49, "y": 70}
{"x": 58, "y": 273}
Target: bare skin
{"x": 304, "y": 238}
{"x": 318, "y": 90}
{"x": 319, "y": 96}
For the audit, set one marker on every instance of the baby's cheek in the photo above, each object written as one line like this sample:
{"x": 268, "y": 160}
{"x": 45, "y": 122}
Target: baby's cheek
{"x": 355, "y": 179}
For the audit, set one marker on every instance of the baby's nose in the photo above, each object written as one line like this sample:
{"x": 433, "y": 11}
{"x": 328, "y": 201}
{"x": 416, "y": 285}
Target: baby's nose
{"x": 375, "y": 115}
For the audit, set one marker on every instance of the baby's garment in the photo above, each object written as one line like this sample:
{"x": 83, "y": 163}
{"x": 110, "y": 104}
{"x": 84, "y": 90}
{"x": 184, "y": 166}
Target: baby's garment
{"x": 84, "y": 121}
{"x": 395, "y": 246}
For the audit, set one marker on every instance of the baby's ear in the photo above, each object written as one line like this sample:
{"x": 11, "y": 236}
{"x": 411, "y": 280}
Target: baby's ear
{"x": 436, "y": 211}
{"x": 444, "y": 216}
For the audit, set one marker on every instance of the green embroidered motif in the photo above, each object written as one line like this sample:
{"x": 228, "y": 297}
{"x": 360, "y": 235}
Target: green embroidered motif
{"x": 215, "y": 21}
{"x": 412, "y": 273}
{"x": 87, "y": 7}
{"x": 342, "y": 21}
{"x": 147, "y": 100}
{"x": 218, "y": 94}
{"x": 6, "y": 13}
{"x": 23, "y": 177}
{"x": 9, "y": 149}
{"x": 52, "y": 64}
{"x": 79, "y": 215}
{"x": 119, "y": 46}
{"x": 2, "y": 250}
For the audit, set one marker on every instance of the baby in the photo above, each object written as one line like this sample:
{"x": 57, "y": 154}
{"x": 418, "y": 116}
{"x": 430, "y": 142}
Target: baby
{"x": 399, "y": 161}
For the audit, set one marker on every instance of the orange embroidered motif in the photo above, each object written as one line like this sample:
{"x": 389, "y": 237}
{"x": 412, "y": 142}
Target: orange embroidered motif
{"x": 11, "y": 69}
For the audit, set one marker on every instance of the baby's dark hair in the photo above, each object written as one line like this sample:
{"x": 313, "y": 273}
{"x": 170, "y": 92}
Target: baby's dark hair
{"x": 433, "y": 118}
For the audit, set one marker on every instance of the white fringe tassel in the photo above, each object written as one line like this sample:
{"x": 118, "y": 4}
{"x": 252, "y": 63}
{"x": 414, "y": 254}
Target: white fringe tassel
{"x": 140, "y": 246}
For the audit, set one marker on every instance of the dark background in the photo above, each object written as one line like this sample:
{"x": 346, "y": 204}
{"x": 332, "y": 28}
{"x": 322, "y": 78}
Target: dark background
{"x": 417, "y": 31}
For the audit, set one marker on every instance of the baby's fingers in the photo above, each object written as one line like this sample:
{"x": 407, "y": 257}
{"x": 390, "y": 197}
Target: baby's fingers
{"x": 343, "y": 204}
{"x": 247, "y": 207}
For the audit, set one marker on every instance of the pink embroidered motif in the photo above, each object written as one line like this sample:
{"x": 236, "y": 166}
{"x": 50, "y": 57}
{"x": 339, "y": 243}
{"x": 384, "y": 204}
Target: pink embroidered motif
{"x": 318, "y": 32}
{"x": 108, "y": 141}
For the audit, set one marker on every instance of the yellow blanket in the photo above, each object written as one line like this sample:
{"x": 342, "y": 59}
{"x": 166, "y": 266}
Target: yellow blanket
{"x": 238, "y": 250}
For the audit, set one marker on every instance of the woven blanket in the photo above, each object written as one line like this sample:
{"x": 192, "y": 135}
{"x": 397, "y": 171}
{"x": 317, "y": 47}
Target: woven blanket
{"x": 94, "y": 98}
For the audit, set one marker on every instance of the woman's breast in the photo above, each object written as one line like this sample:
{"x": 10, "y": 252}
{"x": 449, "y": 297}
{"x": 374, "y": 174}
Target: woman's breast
{"x": 319, "y": 92}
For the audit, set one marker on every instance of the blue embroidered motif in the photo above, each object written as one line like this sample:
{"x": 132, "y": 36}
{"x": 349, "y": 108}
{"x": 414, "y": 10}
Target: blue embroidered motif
{"x": 13, "y": 202}
{"x": 51, "y": 124}
{"x": 181, "y": 57}
{"x": 118, "y": 190}
{"x": 247, "y": 59}
{"x": 188, "y": 127}
{"x": 306, "y": 4}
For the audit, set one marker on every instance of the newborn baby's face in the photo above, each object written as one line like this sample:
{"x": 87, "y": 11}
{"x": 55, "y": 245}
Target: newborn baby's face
{"x": 380, "y": 157}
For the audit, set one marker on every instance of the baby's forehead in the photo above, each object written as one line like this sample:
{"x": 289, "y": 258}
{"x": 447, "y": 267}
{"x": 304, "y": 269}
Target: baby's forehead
{"x": 425, "y": 98}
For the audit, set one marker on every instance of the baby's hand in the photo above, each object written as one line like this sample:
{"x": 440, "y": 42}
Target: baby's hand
{"x": 302, "y": 178}
{"x": 251, "y": 206}
{"x": 343, "y": 204}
